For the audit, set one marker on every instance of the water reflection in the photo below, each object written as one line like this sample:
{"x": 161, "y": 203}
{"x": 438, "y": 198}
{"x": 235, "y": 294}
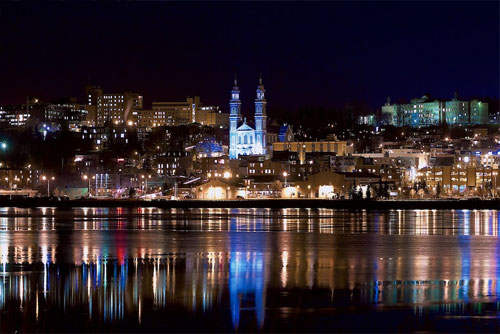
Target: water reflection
{"x": 247, "y": 269}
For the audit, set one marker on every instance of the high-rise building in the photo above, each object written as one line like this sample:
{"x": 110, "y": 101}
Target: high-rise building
{"x": 118, "y": 108}
{"x": 92, "y": 93}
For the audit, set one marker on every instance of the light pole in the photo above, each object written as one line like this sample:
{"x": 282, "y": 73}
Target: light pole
{"x": 285, "y": 174}
{"x": 9, "y": 186}
{"x": 48, "y": 183}
{"x": 146, "y": 183}
{"x": 85, "y": 177}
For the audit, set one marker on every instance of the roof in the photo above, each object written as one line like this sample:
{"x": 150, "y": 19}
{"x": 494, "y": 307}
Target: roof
{"x": 244, "y": 127}
{"x": 359, "y": 174}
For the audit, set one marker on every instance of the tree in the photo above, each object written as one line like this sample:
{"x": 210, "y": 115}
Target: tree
{"x": 380, "y": 192}
{"x": 386, "y": 190}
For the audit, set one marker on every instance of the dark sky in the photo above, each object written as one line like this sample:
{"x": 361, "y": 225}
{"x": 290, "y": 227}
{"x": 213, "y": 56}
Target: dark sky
{"x": 321, "y": 54}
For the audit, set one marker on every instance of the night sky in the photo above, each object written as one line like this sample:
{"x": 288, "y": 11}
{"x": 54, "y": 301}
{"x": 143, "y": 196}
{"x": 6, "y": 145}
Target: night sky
{"x": 316, "y": 54}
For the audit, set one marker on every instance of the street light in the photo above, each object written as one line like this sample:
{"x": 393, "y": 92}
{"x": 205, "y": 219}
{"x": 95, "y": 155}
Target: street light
{"x": 285, "y": 174}
{"x": 4, "y": 146}
{"x": 146, "y": 181}
{"x": 85, "y": 177}
{"x": 48, "y": 183}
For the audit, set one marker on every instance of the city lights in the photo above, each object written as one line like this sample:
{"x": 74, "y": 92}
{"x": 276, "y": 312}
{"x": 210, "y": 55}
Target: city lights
{"x": 345, "y": 179}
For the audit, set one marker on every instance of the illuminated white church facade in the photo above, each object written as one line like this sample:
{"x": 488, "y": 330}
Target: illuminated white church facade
{"x": 243, "y": 139}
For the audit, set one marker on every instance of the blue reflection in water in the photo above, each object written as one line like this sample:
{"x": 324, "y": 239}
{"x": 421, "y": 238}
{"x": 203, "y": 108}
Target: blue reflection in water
{"x": 246, "y": 274}
{"x": 465, "y": 256}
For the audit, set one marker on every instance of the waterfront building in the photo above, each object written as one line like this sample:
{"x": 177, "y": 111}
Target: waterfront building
{"x": 19, "y": 178}
{"x": 266, "y": 186}
{"x": 243, "y": 139}
{"x": 217, "y": 189}
{"x": 328, "y": 184}
{"x": 460, "y": 179}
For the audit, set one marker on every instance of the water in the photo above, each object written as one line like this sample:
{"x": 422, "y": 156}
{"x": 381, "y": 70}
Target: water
{"x": 96, "y": 269}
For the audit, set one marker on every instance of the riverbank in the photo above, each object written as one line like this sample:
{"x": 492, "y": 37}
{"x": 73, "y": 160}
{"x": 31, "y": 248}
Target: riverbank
{"x": 470, "y": 204}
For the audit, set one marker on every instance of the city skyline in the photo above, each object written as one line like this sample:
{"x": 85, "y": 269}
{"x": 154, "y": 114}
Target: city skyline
{"x": 329, "y": 59}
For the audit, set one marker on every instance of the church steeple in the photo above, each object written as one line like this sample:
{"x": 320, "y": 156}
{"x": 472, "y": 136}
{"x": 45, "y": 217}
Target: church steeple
{"x": 260, "y": 118}
{"x": 234, "y": 116}
{"x": 260, "y": 89}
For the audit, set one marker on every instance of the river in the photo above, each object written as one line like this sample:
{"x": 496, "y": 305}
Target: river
{"x": 247, "y": 270}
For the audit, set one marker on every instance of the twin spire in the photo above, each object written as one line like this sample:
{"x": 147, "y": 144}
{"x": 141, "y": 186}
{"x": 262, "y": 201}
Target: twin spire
{"x": 236, "y": 80}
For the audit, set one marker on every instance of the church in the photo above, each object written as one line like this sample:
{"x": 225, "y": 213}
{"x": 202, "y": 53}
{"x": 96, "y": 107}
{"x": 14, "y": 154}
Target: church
{"x": 243, "y": 139}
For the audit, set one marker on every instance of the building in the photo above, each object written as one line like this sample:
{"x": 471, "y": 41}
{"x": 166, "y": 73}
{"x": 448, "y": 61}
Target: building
{"x": 92, "y": 94}
{"x": 34, "y": 112}
{"x": 419, "y": 112}
{"x": 177, "y": 113}
{"x": 478, "y": 112}
{"x": 219, "y": 190}
{"x": 494, "y": 118}
{"x": 105, "y": 136}
{"x": 244, "y": 140}
{"x": 422, "y": 112}
{"x": 457, "y": 112}
{"x": 118, "y": 108}
{"x": 72, "y": 113}
{"x": 216, "y": 167}
{"x": 302, "y": 148}
{"x": 460, "y": 179}
{"x": 182, "y": 113}
{"x": 12, "y": 178}
{"x": 173, "y": 164}
{"x": 13, "y": 116}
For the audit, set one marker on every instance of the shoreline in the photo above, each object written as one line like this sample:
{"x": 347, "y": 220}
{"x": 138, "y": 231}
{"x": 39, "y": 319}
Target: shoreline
{"x": 443, "y": 204}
